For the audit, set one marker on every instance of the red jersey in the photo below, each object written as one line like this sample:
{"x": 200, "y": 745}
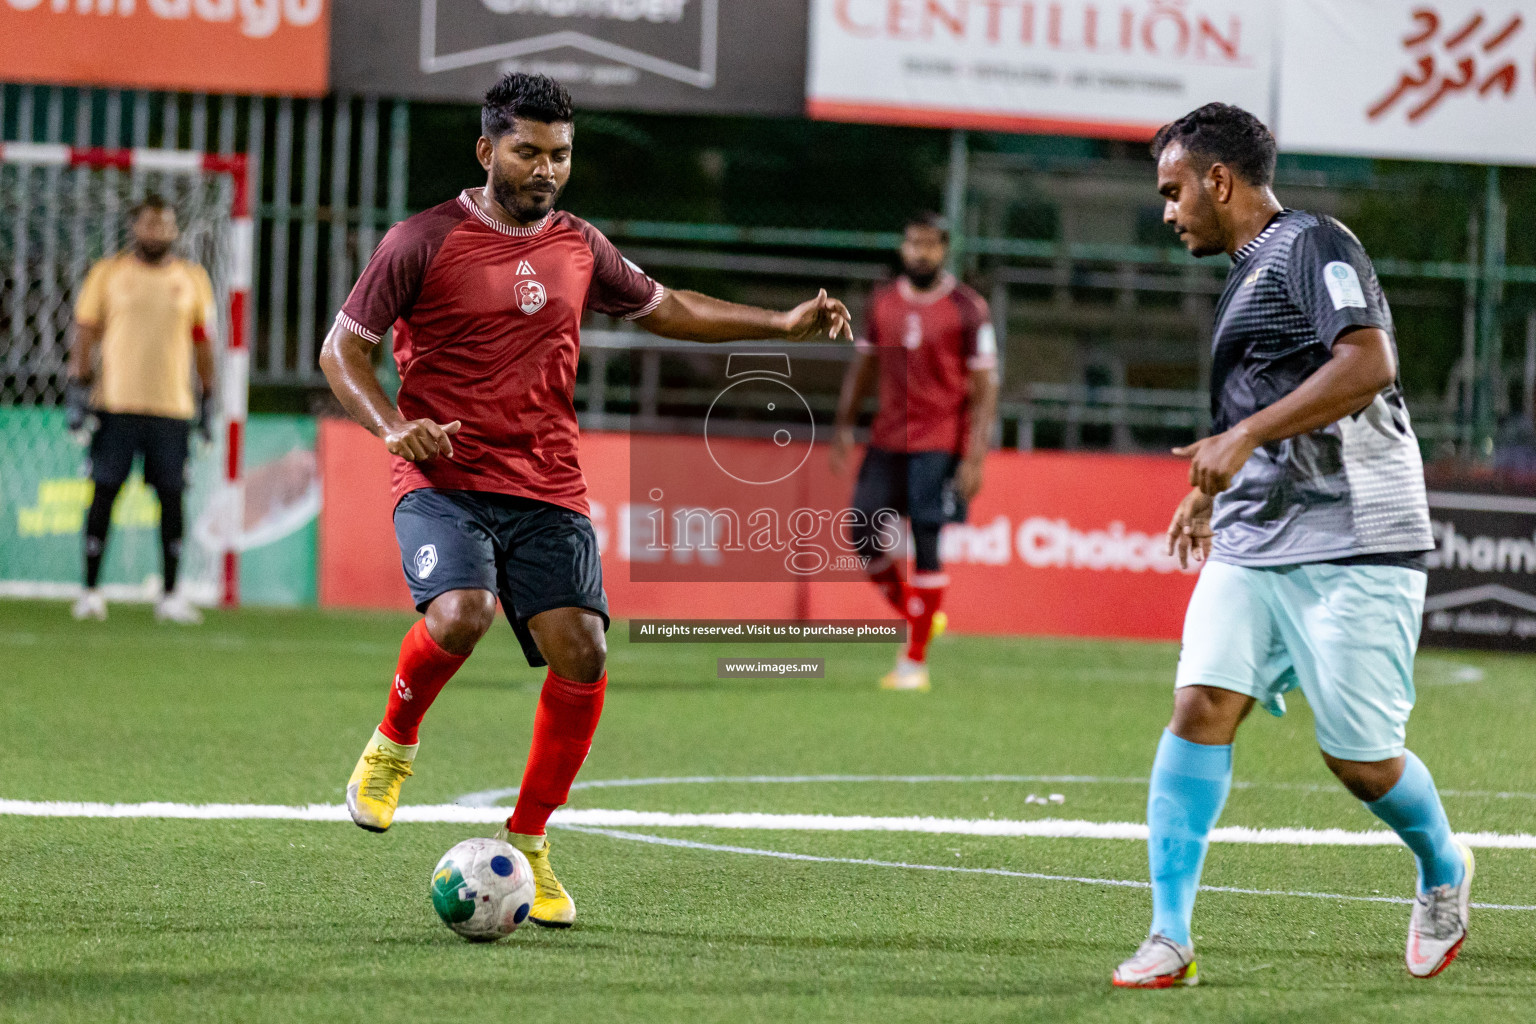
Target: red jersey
{"x": 927, "y": 342}
{"x": 487, "y": 322}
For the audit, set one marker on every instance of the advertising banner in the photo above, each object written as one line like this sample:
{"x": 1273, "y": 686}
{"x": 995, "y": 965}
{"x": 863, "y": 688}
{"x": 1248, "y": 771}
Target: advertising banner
{"x": 46, "y": 492}
{"x": 1442, "y": 80}
{"x": 1482, "y": 578}
{"x": 219, "y": 46}
{"x": 1056, "y": 544}
{"x": 277, "y": 541}
{"x": 685, "y": 56}
{"x": 1075, "y": 67}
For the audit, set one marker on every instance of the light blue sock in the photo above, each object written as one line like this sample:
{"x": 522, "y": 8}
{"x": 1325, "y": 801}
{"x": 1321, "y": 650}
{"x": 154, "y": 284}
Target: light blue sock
{"x": 1412, "y": 808}
{"x": 1189, "y": 786}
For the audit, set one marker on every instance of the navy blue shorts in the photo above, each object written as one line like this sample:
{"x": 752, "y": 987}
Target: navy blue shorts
{"x": 532, "y": 555}
{"x": 918, "y": 485}
{"x": 162, "y": 440}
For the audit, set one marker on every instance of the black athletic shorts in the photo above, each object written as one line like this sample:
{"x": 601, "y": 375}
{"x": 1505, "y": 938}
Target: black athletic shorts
{"x": 918, "y": 485}
{"x": 162, "y": 440}
{"x": 532, "y": 555}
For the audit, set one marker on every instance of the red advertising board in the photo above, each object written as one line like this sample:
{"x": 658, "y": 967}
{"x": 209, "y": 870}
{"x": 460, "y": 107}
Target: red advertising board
{"x": 254, "y": 46}
{"x": 1057, "y": 544}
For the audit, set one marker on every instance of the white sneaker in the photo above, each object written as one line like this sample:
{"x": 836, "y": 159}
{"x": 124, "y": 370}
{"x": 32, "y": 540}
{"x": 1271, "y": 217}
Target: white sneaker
{"x": 90, "y": 605}
{"x": 175, "y": 608}
{"x": 1438, "y": 926}
{"x": 1159, "y": 963}
{"x": 907, "y": 675}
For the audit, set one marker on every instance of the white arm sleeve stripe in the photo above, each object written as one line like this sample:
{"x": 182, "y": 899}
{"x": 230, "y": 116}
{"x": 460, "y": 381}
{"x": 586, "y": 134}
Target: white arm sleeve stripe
{"x": 357, "y": 328}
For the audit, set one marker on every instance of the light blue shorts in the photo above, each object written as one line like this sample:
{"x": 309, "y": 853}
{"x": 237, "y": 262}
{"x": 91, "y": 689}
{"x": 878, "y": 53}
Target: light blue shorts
{"x": 1346, "y": 634}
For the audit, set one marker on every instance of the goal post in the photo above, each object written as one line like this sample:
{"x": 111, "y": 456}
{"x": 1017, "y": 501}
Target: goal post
{"x": 61, "y": 209}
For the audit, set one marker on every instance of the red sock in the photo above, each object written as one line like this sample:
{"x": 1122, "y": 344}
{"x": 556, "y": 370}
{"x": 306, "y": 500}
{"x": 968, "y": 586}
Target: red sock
{"x": 562, "y": 734}
{"x": 887, "y": 577}
{"x": 924, "y": 595}
{"x": 419, "y": 676}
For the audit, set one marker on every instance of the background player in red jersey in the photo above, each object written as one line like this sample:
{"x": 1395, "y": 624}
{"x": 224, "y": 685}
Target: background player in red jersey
{"x": 929, "y": 344}
{"x": 485, "y": 293}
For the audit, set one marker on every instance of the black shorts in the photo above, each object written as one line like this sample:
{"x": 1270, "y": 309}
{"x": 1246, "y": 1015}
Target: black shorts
{"x": 162, "y": 440}
{"x": 532, "y": 555}
{"x": 918, "y": 485}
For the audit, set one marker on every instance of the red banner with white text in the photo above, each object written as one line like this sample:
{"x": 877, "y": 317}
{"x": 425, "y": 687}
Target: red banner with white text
{"x": 1056, "y": 544}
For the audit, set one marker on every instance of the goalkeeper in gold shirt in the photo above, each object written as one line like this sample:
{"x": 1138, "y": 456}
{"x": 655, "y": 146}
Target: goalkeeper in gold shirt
{"x": 141, "y": 322}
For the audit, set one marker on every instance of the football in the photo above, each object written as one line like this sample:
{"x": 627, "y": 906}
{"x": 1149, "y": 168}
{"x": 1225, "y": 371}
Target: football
{"x": 483, "y": 889}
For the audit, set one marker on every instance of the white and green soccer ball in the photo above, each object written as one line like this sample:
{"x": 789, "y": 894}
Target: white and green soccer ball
{"x": 483, "y": 889}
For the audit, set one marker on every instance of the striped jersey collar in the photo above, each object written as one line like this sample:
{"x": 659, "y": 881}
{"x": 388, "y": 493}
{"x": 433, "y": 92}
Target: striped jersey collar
{"x": 1263, "y": 236}
{"x": 468, "y": 201}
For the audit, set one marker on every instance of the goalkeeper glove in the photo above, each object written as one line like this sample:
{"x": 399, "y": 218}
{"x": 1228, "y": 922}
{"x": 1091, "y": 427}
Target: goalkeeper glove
{"x": 205, "y": 416}
{"x": 77, "y": 404}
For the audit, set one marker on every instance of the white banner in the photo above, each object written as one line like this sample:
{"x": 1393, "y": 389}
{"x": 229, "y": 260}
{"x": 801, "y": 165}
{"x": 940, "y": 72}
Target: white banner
{"x": 1078, "y": 67}
{"x": 1438, "y": 80}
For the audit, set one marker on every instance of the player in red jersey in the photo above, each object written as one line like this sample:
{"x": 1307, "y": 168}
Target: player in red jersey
{"x": 485, "y": 293}
{"x": 929, "y": 346}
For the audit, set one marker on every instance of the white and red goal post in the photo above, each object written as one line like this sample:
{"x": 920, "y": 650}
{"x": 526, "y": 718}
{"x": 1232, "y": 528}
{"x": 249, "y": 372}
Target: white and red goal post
{"x": 59, "y": 226}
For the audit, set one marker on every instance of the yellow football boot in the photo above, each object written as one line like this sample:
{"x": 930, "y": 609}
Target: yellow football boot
{"x": 373, "y": 791}
{"x": 552, "y": 905}
{"x": 907, "y": 675}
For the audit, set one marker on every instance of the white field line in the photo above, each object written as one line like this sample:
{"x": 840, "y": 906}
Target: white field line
{"x": 491, "y": 797}
{"x": 1049, "y": 828}
{"x": 688, "y": 844}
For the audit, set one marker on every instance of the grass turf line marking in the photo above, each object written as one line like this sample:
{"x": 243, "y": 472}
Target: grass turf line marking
{"x": 1044, "y": 828}
{"x": 491, "y": 797}
{"x": 1125, "y": 883}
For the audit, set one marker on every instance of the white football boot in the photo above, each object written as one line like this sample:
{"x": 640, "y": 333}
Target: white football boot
{"x": 1159, "y": 963}
{"x": 90, "y": 605}
{"x": 1438, "y": 926}
{"x": 907, "y": 675}
{"x": 175, "y": 608}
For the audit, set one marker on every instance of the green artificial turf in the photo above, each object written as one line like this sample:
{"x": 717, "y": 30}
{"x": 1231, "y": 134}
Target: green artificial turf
{"x": 153, "y": 919}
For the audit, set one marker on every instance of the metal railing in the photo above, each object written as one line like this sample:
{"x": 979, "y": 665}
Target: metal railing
{"x": 1130, "y": 419}
{"x": 331, "y": 175}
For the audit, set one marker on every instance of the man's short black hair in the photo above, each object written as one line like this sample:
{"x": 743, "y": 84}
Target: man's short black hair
{"x": 1222, "y": 133}
{"x": 151, "y": 201}
{"x": 928, "y": 219}
{"x": 531, "y": 97}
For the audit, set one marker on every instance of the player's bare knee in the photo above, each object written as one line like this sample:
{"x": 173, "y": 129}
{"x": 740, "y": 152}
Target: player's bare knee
{"x": 1206, "y": 714}
{"x": 458, "y": 619}
{"x": 571, "y": 640}
{"x": 584, "y": 657}
{"x": 1366, "y": 780}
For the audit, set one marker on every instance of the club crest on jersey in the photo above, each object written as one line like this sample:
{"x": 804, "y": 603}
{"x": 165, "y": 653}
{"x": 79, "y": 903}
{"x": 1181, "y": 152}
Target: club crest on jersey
{"x": 914, "y": 333}
{"x": 530, "y": 296}
{"x": 426, "y": 560}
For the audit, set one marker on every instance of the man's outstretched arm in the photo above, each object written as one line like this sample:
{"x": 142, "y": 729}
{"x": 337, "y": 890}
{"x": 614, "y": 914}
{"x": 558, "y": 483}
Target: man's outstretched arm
{"x": 690, "y": 316}
{"x": 344, "y": 359}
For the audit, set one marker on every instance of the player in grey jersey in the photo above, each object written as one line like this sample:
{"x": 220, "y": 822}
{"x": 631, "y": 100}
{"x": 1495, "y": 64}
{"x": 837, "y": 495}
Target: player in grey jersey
{"x": 1308, "y": 505}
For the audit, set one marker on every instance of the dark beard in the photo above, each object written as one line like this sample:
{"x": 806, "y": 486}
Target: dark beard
{"x": 922, "y": 282}
{"x": 152, "y": 253}
{"x": 522, "y": 207}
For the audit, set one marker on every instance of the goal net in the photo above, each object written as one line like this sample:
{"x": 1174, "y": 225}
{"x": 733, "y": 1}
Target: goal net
{"x": 61, "y": 209}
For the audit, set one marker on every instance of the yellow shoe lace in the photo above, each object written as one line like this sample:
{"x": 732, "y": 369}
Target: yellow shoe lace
{"x": 386, "y": 771}
{"x": 547, "y": 885}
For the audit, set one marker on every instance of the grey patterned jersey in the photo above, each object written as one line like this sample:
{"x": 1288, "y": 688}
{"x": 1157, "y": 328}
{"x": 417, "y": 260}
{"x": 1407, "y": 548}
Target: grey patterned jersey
{"x": 1354, "y": 488}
